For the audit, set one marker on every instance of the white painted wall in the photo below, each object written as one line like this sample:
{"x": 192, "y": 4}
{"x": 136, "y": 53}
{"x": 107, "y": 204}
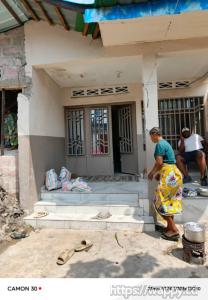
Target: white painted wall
{"x": 46, "y": 113}
{"x": 67, "y": 54}
{"x": 46, "y": 44}
{"x": 23, "y": 122}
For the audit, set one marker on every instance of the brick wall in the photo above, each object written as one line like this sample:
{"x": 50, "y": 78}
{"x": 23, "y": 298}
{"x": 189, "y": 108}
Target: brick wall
{"x": 12, "y": 58}
{"x": 9, "y": 173}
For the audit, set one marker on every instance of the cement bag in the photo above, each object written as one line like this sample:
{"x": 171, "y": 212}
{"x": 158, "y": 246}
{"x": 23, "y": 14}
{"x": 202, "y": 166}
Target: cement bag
{"x": 52, "y": 182}
{"x": 80, "y": 185}
{"x": 67, "y": 185}
{"x": 64, "y": 174}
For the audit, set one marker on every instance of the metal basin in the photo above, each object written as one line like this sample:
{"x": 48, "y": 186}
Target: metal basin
{"x": 194, "y": 232}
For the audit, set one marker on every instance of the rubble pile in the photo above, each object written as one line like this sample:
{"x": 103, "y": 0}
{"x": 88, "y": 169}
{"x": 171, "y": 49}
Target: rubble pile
{"x": 11, "y": 214}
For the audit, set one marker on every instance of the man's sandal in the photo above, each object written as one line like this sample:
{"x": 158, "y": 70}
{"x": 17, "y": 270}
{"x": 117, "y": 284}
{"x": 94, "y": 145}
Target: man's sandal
{"x": 85, "y": 245}
{"x": 64, "y": 256}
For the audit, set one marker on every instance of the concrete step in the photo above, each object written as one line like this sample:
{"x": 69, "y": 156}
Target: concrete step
{"x": 85, "y": 222}
{"x": 92, "y": 209}
{"x": 95, "y": 198}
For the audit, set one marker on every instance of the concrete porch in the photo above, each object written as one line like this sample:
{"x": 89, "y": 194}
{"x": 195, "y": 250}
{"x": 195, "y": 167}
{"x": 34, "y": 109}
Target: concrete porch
{"x": 127, "y": 203}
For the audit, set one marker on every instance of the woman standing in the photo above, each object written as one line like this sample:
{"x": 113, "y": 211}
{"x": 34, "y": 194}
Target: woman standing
{"x": 168, "y": 195}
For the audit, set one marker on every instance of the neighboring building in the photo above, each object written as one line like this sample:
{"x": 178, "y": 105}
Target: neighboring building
{"x": 87, "y": 102}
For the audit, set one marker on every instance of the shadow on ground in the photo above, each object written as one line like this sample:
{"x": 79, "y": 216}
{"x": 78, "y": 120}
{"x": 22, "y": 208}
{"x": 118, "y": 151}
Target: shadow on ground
{"x": 187, "y": 272}
{"x": 133, "y": 266}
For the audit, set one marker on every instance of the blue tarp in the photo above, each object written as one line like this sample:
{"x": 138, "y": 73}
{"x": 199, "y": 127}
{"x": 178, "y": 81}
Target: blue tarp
{"x": 140, "y": 10}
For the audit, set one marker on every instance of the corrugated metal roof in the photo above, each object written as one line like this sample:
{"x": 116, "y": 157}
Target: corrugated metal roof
{"x": 69, "y": 14}
{"x": 7, "y": 20}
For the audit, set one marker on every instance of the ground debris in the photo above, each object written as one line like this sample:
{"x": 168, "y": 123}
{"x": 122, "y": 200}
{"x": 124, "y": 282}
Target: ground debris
{"x": 11, "y": 215}
{"x": 170, "y": 249}
{"x": 116, "y": 237}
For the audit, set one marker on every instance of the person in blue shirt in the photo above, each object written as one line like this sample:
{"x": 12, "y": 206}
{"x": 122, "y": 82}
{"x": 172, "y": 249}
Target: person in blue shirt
{"x": 168, "y": 194}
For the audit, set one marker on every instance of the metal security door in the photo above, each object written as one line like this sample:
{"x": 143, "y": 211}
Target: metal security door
{"x": 126, "y": 134}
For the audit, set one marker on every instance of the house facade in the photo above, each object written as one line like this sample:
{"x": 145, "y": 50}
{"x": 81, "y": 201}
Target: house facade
{"x": 88, "y": 103}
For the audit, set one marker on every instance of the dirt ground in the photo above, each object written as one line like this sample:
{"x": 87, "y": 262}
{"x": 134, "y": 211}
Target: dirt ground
{"x": 141, "y": 255}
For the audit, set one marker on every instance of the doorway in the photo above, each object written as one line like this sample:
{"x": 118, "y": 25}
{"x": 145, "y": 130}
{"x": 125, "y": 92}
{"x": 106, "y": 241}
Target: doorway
{"x": 124, "y": 139}
{"x": 8, "y": 124}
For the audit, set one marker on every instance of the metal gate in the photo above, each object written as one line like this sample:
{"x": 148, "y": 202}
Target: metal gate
{"x": 176, "y": 113}
{"x": 125, "y": 129}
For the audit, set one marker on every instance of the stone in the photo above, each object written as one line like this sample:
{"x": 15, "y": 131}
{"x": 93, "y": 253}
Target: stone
{"x": 2, "y": 236}
{"x": 5, "y": 228}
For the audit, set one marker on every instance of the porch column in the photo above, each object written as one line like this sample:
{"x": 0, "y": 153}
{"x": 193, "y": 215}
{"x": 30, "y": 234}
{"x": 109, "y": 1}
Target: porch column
{"x": 150, "y": 98}
{"x": 24, "y": 153}
{"x": 139, "y": 128}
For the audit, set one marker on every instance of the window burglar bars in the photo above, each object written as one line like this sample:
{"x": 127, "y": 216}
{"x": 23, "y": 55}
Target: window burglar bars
{"x": 75, "y": 132}
{"x": 174, "y": 114}
{"x": 99, "y": 131}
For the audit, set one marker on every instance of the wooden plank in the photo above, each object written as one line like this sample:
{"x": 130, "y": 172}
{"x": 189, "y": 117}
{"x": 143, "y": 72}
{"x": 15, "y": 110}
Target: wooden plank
{"x": 11, "y": 88}
{"x": 2, "y": 120}
{"x": 96, "y": 32}
{"x": 12, "y": 12}
{"x": 44, "y": 12}
{"x": 30, "y": 10}
{"x": 62, "y": 18}
{"x": 85, "y": 30}
{"x": 67, "y": 5}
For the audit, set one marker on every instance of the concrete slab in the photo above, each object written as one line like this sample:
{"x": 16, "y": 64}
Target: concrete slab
{"x": 113, "y": 188}
{"x": 64, "y": 207}
{"x": 142, "y": 255}
{"x": 86, "y": 221}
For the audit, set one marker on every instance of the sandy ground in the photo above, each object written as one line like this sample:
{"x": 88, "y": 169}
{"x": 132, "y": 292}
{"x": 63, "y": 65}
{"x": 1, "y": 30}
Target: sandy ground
{"x": 142, "y": 255}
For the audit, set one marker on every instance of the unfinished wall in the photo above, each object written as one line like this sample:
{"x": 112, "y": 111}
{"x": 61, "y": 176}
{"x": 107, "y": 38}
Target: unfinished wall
{"x": 12, "y": 76}
{"x": 42, "y": 142}
{"x": 12, "y": 58}
{"x": 9, "y": 173}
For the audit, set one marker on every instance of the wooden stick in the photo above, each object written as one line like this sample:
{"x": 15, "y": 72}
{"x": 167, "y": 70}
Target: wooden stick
{"x": 44, "y": 12}
{"x": 85, "y": 30}
{"x": 30, "y": 10}
{"x": 62, "y": 18}
{"x": 96, "y": 32}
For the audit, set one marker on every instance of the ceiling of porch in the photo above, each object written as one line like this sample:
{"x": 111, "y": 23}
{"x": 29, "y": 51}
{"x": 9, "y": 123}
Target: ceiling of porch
{"x": 179, "y": 66}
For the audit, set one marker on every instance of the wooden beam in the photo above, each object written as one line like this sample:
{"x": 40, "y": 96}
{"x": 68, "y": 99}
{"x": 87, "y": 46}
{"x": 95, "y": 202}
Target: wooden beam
{"x": 44, "y": 12}
{"x": 2, "y": 120}
{"x": 67, "y": 5}
{"x": 12, "y": 12}
{"x": 30, "y": 10}
{"x": 62, "y": 18}
{"x": 85, "y": 30}
{"x": 96, "y": 32}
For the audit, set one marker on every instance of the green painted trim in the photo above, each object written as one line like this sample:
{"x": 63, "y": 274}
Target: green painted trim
{"x": 79, "y": 25}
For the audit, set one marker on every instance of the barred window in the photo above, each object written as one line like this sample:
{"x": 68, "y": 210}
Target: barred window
{"x": 75, "y": 132}
{"x": 99, "y": 131}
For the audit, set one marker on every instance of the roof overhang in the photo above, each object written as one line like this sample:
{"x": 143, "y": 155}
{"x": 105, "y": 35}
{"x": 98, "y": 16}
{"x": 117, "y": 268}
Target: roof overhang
{"x": 145, "y": 9}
